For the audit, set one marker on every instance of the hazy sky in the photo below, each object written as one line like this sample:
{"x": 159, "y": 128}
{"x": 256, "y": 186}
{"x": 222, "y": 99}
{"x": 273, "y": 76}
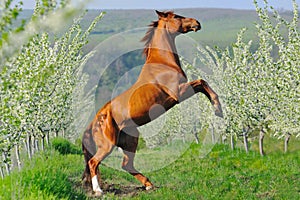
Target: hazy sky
{"x": 173, "y": 4}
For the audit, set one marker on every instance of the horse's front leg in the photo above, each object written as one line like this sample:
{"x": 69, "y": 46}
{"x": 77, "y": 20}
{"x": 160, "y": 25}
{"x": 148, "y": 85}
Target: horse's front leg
{"x": 187, "y": 90}
{"x": 128, "y": 141}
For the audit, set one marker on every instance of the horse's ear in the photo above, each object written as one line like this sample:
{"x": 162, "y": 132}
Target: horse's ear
{"x": 161, "y": 14}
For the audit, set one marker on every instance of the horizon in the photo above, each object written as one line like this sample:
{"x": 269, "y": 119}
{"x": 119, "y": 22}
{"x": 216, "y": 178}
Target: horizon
{"x": 175, "y": 4}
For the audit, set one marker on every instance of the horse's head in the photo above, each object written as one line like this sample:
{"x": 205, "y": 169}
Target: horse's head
{"x": 176, "y": 23}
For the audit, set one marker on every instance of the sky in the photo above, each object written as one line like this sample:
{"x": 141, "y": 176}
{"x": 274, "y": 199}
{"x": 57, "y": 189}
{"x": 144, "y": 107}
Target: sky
{"x": 173, "y": 4}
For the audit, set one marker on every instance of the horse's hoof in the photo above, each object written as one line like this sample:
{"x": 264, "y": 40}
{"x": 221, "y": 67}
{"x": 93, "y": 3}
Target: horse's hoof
{"x": 98, "y": 193}
{"x": 218, "y": 110}
{"x": 149, "y": 187}
{"x": 219, "y": 113}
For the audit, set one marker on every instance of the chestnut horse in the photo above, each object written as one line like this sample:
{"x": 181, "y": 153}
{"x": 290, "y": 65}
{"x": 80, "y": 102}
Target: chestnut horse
{"x": 161, "y": 84}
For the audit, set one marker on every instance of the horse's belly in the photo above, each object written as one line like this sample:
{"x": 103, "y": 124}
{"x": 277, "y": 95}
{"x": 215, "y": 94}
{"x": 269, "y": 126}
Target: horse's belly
{"x": 145, "y": 104}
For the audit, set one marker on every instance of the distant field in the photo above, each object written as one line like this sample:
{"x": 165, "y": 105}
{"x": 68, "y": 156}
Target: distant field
{"x": 219, "y": 26}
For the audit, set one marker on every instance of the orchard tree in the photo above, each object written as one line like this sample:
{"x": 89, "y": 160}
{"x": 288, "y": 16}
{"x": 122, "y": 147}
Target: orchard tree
{"x": 286, "y": 101}
{"x": 9, "y": 14}
{"x": 260, "y": 89}
{"x": 38, "y": 86}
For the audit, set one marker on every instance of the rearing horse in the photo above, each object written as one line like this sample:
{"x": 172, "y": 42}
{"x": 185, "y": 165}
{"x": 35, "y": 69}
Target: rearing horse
{"x": 161, "y": 84}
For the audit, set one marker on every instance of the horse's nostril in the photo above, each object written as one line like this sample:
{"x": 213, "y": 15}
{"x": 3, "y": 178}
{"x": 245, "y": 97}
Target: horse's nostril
{"x": 196, "y": 28}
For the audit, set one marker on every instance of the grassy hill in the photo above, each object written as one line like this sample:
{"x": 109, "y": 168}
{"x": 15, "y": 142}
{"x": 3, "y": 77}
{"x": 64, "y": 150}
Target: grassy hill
{"x": 219, "y": 26}
{"x": 222, "y": 174}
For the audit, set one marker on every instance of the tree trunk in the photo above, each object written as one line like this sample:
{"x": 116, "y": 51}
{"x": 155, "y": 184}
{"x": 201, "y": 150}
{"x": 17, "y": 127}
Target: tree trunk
{"x": 224, "y": 138}
{"x": 232, "y": 141}
{"x": 32, "y": 145}
{"x": 5, "y": 158}
{"x": 1, "y": 172}
{"x": 261, "y": 142}
{"x": 183, "y": 138}
{"x": 196, "y": 134}
{"x": 213, "y": 138}
{"x": 17, "y": 151}
{"x": 286, "y": 142}
{"x": 28, "y": 146}
{"x": 36, "y": 144}
{"x": 245, "y": 136}
{"x": 43, "y": 143}
{"x": 196, "y": 138}
{"x": 48, "y": 138}
{"x": 182, "y": 132}
{"x": 63, "y": 133}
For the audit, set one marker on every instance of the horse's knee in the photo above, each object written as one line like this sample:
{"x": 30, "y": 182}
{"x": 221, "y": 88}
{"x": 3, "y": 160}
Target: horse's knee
{"x": 93, "y": 164}
{"x": 202, "y": 82}
{"x": 126, "y": 164}
{"x": 125, "y": 167}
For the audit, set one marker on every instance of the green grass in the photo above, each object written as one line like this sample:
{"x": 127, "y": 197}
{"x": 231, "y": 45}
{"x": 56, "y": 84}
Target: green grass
{"x": 226, "y": 174}
{"x": 222, "y": 174}
{"x": 48, "y": 176}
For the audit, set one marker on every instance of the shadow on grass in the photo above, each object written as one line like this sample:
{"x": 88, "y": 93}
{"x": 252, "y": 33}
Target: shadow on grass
{"x": 115, "y": 190}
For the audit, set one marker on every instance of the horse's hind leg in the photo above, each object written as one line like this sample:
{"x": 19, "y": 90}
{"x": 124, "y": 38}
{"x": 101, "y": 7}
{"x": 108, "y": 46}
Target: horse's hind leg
{"x": 89, "y": 150}
{"x": 128, "y": 141}
{"x": 102, "y": 136}
{"x": 189, "y": 89}
{"x": 103, "y": 151}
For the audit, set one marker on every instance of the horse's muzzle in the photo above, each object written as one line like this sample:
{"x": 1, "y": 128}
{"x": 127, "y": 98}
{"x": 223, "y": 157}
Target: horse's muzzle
{"x": 196, "y": 27}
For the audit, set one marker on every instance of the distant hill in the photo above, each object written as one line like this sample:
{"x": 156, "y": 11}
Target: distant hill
{"x": 219, "y": 26}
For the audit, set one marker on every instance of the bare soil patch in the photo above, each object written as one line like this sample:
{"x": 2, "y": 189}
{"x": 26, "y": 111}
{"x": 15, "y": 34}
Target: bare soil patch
{"x": 115, "y": 189}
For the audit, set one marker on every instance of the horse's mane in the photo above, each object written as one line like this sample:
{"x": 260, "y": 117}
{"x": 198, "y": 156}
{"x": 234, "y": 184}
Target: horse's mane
{"x": 149, "y": 34}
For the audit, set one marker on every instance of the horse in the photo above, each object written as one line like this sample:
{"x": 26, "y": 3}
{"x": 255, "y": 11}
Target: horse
{"x": 161, "y": 84}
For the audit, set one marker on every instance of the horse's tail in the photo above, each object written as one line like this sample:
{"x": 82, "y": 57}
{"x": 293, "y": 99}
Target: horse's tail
{"x": 89, "y": 150}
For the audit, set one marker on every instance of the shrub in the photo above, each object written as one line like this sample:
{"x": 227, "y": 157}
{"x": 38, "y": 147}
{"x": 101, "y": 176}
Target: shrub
{"x": 64, "y": 146}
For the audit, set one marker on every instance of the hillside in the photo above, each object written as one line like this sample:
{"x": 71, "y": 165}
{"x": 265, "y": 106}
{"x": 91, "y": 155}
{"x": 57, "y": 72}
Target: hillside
{"x": 219, "y": 26}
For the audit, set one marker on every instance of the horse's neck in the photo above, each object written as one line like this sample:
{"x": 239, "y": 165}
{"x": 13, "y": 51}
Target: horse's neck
{"x": 162, "y": 49}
